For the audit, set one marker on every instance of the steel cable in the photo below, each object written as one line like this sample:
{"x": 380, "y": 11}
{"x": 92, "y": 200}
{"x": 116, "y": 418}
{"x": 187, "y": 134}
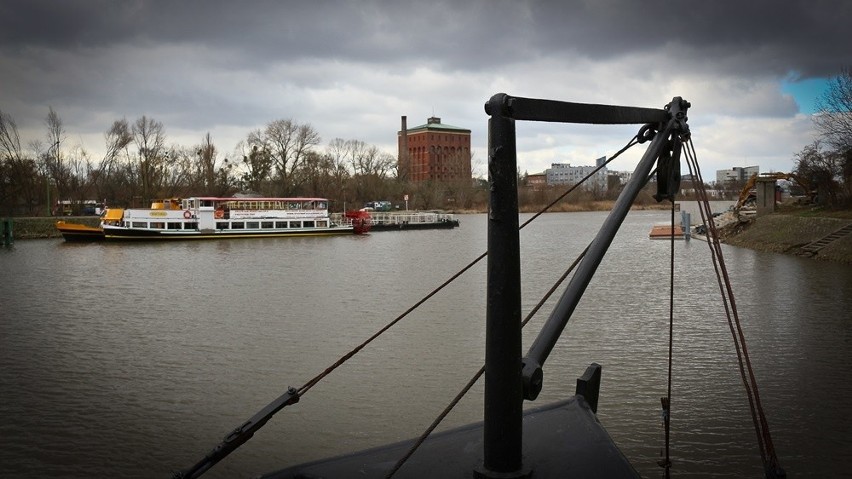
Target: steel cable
{"x": 771, "y": 464}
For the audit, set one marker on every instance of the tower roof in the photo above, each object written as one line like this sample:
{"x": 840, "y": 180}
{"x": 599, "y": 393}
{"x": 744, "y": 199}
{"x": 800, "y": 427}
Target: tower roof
{"x": 434, "y": 124}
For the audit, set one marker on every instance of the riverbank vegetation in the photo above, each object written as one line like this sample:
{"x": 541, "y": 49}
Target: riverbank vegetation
{"x": 288, "y": 158}
{"x": 285, "y": 158}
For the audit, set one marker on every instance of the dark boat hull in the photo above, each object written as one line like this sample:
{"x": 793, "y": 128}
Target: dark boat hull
{"x": 75, "y": 232}
{"x": 564, "y": 439}
{"x": 123, "y": 234}
{"x": 439, "y": 225}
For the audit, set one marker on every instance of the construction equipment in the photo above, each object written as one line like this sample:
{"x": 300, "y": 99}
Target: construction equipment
{"x": 749, "y": 194}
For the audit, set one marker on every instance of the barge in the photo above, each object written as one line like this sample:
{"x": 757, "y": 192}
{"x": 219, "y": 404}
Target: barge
{"x": 411, "y": 220}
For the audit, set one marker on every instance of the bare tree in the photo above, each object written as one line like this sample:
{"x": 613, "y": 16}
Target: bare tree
{"x": 834, "y": 123}
{"x": 176, "y": 172}
{"x": 207, "y": 162}
{"x": 336, "y": 157}
{"x": 10, "y": 141}
{"x": 362, "y": 159}
{"x": 257, "y": 164}
{"x": 821, "y": 169}
{"x": 18, "y": 175}
{"x": 834, "y": 112}
{"x": 150, "y": 140}
{"x": 55, "y": 166}
{"x": 116, "y": 139}
{"x": 287, "y": 144}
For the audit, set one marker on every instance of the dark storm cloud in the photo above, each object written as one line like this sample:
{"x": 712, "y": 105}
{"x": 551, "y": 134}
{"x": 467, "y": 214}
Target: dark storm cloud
{"x": 809, "y": 37}
{"x": 764, "y": 36}
{"x": 351, "y": 68}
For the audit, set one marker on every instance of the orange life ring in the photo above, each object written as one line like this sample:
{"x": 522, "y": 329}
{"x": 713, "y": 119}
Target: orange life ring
{"x": 187, "y": 214}
{"x": 219, "y": 214}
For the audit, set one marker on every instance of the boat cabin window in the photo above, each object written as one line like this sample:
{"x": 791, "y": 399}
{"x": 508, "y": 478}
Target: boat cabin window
{"x": 322, "y": 224}
{"x": 280, "y": 224}
{"x": 174, "y": 226}
{"x": 139, "y": 224}
{"x": 207, "y": 203}
{"x": 159, "y": 225}
{"x": 238, "y": 225}
{"x": 267, "y": 225}
{"x": 252, "y": 225}
{"x": 190, "y": 225}
{"x": 221, "y": 225}
{"x": 308, "y": 224}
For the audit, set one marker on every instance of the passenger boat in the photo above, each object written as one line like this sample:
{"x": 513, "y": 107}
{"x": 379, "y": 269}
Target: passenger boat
{"x": 76, "y": 232}
{"x": 213, "y": 217}
{"x": 563, "y": 439}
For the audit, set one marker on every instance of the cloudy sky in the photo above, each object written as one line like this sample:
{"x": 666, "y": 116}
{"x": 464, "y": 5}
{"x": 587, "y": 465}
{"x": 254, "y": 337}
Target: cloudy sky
{"x": 351, "y": 69}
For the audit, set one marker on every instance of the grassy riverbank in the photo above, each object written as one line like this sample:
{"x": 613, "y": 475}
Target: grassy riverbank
{"x": 45, "y": 226}
{"x": 789, "y": 229}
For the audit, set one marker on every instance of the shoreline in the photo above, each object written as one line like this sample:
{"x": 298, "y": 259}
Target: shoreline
{"x": 787, "y": 233}
{"x": 784, "y": 232}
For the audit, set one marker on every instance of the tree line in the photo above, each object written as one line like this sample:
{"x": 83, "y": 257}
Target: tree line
{"x": 284, "y": 158}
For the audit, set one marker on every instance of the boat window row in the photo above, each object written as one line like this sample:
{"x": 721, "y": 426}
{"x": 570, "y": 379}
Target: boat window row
{"x": 274, "y": 205}
{"x": 269, "y": 225}
{"x": 161, "y": 225}
{"x": 226, "y": 225}
{"x": 249, "y": 204}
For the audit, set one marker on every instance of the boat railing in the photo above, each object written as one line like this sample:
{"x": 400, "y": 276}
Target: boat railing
{"x": 400, "y": 218}
{"x": 410, "y": 218}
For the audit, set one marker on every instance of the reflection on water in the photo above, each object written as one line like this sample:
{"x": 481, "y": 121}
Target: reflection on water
{"x": 134, "y": 360}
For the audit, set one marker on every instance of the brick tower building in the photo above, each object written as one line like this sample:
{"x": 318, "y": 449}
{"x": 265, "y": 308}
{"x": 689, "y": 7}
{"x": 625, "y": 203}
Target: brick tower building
{"x": 434, "y": 152}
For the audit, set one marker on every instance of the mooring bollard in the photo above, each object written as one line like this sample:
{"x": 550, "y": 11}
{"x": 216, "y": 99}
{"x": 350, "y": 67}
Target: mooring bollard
{"x": 8, "y": 236}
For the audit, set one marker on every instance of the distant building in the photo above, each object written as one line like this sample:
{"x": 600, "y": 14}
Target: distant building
{"x": 623, "y": 176}
{"x": 736, "y": 174}
{"x": 434, "y": 152}
{"x": 565, "y": 174}
{"x": 537, "y": 181}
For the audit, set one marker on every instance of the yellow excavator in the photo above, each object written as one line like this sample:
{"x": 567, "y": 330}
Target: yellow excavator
{"x": 748, "y": 193}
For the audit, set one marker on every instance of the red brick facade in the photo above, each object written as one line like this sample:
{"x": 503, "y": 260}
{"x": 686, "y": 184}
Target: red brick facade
{"x": 434, "y": 152}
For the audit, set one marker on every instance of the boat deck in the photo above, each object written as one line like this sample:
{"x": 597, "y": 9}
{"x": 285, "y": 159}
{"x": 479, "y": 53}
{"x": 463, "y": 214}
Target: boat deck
{"x": 563, "y": 439}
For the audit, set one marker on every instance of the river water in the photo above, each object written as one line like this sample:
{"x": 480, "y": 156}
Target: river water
{"x": 134, "y": 360}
